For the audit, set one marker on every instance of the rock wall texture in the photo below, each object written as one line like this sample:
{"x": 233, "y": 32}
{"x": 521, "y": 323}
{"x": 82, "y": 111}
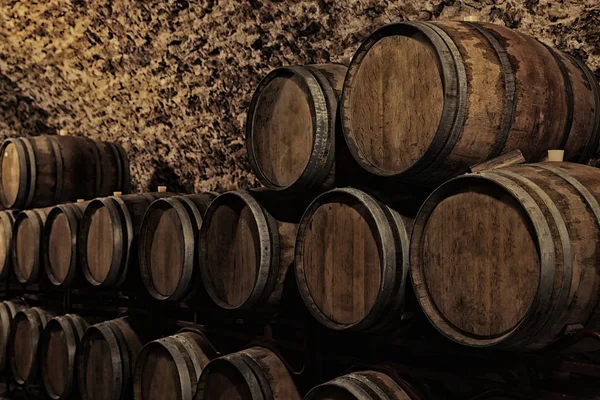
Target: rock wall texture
{"x": 171, "y": 79}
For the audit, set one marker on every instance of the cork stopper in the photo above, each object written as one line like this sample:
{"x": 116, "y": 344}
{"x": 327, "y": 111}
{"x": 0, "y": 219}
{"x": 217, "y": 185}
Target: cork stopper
{"x": 556, "y": 155}
{"x": 162, "y": 189}
{"x": 80, "y": 200}
{"x": 471, "y": 18}
{"x": 63, "y": 132}
{"x": 117, "y": 194}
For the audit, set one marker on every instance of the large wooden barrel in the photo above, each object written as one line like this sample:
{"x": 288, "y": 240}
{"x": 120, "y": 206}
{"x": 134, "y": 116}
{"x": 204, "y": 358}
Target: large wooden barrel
{"x": 45, "y": 170}
{"x": 106, "y": 359}
{"x": 167, "y": 247}
{"x": 244, "y": 253}
{"x": 507, "y": 258}
{"x": 291, "y": 125}
{"x": 58, "y": 348}
{"x": 27, "y": 244}
{"x": 8, "y": 309}
{"x": 169, "y": 368}
{"x": 7, "y": 220}
{"x": 255, "y": 373}
{"x": 361, "y": 385}
{"x": 59, "y": 243}
{"x": 28, "y": 326}
{"x": 107, "y": 238}
{"x": 424, "y": 101}
{"x": 352, "y": 261}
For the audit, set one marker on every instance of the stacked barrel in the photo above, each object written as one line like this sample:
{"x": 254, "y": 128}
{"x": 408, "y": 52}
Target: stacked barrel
{"x": 413, "y": 181}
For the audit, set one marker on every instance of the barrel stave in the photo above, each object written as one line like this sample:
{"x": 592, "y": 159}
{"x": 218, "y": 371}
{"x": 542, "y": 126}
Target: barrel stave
{"x": 555, "y": 285}
{"x": 348, "y": 230}
{"x": 491, "y": 100}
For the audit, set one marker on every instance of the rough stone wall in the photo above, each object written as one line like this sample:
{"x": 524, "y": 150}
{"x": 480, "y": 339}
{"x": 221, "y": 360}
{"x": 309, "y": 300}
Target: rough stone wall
{"x": 171, "y": 79}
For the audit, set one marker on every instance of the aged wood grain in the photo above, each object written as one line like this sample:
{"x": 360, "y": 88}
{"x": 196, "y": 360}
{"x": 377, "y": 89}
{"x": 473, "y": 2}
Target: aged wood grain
{"x": 395, "y": 74}
{"x": 493, "y": 100}
{"x": 518, "y": 253}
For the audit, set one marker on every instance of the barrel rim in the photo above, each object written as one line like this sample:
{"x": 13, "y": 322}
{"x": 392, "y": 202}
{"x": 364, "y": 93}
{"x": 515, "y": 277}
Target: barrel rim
{"x": 384, "y": 236}
{"x": 73, "y": 216}
{"x": 453, "y": 88}
{"x": 543, "y": 239}
{"x": 37, "y": 227}
{"x": 8, "y": 309}
{"x": 175, "y": 353}
{"x": 269, "y": 254}
{"x": 119, "y": 214}
{"x": 64, "y": 323}
{"x": 233, "y": 360}
{"x": 7, "y": 220}
{"x": 323, "y": 139}
{"x": 189, "y": 224}
{"x": 24, "y": 172}
{"x": 103, "y": 331}
{"x": 37, "y": 320}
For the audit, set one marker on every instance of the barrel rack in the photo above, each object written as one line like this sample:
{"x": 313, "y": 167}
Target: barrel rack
{"x": 436, "y": 368}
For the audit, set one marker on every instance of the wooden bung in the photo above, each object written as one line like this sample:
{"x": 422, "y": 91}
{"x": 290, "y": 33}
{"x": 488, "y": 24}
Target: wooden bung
{"x": 167, "y": 247}
{"x": 28, "y": 325}
{"x": 556, "y": 155}
{"x": 27, "y": 244}
{"x": 359, "y": 385}
{"x": 423, "y": 101}
{"x": 59, "y": 243}
{"x": 244, "y": 253}
{"x": 107, "y": 238}
{"x": 169, "y": 368}
{"x": 255, "y": 373}
{"x": 106, "y": 359}
{"x": 45, "y": 170}
{"x": 519, "y": 246}
{"x": 7, "y": 220}
{"x": 58, "y": 347}
{"x": 352, "y": 261}
{"x": 290, "y": 128}
{"x": 8, "y": 309}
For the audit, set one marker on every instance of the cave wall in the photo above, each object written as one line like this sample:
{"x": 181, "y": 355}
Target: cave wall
{"x": 171, "y": 79}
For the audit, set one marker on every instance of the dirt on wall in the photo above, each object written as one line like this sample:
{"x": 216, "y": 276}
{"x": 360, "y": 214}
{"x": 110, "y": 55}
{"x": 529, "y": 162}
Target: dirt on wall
{"x": 171, "y": 79}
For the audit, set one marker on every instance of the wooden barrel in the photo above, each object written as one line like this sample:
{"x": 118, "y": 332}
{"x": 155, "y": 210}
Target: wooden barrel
{"x": 167, "y": 246}
{"x": 59, "y": 243}
{"x": 255, "y": 373}
{"x": 7, "y": 220}
{"x": 45, "y": 170}
{"x": 28, "y": 326}
{"x": 362, "y": 385}
{"x": 58, "y": 347}
{"x": 352, "y": 261}
{"x": 424, "y": 101}
{"x": 290, "y": 128}
{"x": 244, "y": 253}
{"x": 107, "y": 238}
{"x": 106, "y": 359}
{"x": 8, "y": 309}
{"x": 26, "y": 244}
{"x": 169, "y": 368}
{"x": 507, "y": 258}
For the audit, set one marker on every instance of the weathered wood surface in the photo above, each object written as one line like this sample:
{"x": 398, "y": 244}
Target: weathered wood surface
{"x": 168, "y": 254}
{"x": 351, "y": 261}
{"x": 247, "y": 375}
{"x": 469, "y": 92}
{"x": 507, "y": 258}
{"x": 46, "y": 170}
